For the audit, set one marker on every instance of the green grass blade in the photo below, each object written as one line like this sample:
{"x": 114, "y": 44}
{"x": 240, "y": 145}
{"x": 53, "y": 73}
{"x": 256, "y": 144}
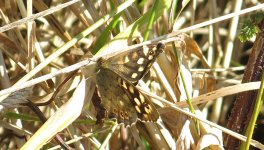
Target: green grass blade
{"x": 257, "y": 108}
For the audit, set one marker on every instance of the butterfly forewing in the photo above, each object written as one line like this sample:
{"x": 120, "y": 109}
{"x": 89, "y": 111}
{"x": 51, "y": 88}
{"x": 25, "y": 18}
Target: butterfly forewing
{"x": 133, "y": 65}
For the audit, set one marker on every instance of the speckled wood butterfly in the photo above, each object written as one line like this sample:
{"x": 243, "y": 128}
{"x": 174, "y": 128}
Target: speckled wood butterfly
{"x": 120, "y": 98}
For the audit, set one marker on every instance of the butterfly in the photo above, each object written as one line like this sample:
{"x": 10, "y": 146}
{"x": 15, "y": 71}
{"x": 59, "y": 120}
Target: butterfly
{"x": 116, "y": 79}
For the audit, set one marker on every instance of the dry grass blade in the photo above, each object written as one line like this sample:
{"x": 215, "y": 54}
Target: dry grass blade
{"x": 183, "y": 101}
{"x": 64, "y": 116}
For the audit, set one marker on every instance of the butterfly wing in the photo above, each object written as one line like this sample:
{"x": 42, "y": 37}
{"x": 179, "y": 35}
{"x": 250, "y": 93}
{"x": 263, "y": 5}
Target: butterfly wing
{"x": 119, "y": 97}
{"x": 133, "y": 65}
{"x": 121, "y": 100}
{"x": 145, "y": 110}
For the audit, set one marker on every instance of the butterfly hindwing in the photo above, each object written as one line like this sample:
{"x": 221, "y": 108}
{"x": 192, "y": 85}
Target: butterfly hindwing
{"x": 144, "y": 108}
{"x": 114, "y": 99}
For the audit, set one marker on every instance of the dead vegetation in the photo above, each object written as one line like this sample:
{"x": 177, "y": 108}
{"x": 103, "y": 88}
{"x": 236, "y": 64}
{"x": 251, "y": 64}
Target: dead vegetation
{"x": 200, "y": 71}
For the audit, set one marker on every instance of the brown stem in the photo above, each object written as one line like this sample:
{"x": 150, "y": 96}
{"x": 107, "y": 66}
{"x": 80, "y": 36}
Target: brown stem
{"x": 245, "y": 102}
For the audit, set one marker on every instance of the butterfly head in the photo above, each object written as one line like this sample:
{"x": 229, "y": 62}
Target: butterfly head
{"x": 100, "y": 64}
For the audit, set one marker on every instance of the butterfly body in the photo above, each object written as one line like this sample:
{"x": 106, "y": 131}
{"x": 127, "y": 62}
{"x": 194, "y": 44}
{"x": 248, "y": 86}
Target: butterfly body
{"x": 120, "y": 98}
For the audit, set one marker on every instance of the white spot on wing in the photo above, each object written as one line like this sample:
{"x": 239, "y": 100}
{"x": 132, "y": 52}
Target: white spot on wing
{"x": 140, "y": 69}
{"x": 137, "y": 109}
{"x": 126, "y": 59}
{"x": 150, "y": 57}
{"x": 131, "y": 89}
{"x": 134, "y": 75}
{"x": 145, "y": 50}
{"x": 121, "y": 103}
{"x": 137, "y": 101}
{"x": 140, "y": 61}
{"x": 124, "y": 85}
{"x": 142, "y": 99}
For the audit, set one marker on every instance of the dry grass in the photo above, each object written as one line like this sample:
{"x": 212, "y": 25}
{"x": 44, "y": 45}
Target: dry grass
{"x": 203, "y": 62}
